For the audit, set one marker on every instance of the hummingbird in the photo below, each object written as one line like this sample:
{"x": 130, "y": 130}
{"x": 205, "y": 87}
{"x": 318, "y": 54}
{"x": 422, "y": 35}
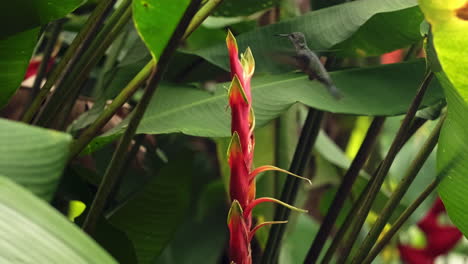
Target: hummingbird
{"x": 310, "y": 64}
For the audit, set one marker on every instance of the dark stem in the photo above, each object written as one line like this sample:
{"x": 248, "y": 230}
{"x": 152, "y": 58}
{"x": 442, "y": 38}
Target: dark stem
{"x": 398, "y": 193}
{"x": 51, "y": 37}
{"x": 386, "y": 163}
{"x": 344, "y": 189}
{"x": 74, "y": 52}
{"x": 400, "y": 221}
{"x": 301, "y": 157}
{"x": 347, "y": 222}
{"x": 66, "y": 87}
{"x": 86, "y": 137}
{"x": 120, "y": 155}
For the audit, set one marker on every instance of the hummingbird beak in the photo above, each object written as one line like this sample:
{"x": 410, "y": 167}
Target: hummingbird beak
{"x": 282, "y": 35}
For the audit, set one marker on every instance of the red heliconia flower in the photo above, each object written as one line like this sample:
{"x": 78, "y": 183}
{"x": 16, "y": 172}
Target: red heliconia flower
{"x": 440, "y": 239}
{"x": 240, "y": 157}
{"x": 239, "y": 249}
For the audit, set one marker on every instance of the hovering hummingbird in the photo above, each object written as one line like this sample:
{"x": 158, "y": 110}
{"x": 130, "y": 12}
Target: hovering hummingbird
{"x": 309, "y": 63}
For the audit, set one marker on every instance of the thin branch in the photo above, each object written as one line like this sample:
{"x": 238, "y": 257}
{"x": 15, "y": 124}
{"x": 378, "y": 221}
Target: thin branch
{"x": 52, "y": 35}
{"x": 86, "y": 137}
{"x": 400, "y": 221}
{"x": 67, "y": 86}
{"x": 74, "y": 52}
{"x": 398, "y": 193}
{"x": 386, "y": 163}
{"x": 344, "y": 189}
{"x": 120, "y": 155}
{"x": 301, "y": 157}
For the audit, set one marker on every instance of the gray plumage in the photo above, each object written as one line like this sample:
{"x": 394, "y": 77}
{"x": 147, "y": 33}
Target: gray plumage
{"x": 310, "y": 64}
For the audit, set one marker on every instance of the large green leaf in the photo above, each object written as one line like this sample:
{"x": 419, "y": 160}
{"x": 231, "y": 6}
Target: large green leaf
{"x": 449, "y": 22}
{"x": 382, "y": 90}
{"x": 33, "y": 232}
{"x": 18, "y": 16}
{"x": 230, "y": 8}
{"x": 15, "y": 52}
{"x": 384, "y": 32}
{"x": 157, "y": 20}
{"x": 152, "y": 216}
{"x": 33, "y": 157}
{"x": 328, "y": 27}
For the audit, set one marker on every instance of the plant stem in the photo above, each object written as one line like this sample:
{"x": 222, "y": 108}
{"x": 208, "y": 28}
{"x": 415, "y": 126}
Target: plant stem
{"x": 74, "y": 52}
{"x": 201, "y": 15}
{"x": 347, "y": 222}
{"x": 284, "y": 143}
{"x": 120, "y": 155}
{"x": 398, "y": 193}
{"x": 344, "y": 189}
{"x": 51, "y": 37}
{"x": 78, "y": 74}
{"x": 301, "y": 157}
{"x": 86, "y": 137}
{"x": 417, "y": 123}
{"x": 400, "y": 221}
{"x": 79, "y": 144}
{"x": 386, "y": 163}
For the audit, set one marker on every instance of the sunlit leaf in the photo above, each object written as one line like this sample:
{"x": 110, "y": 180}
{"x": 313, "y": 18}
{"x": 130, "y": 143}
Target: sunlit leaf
{"x": 449, "y": 24}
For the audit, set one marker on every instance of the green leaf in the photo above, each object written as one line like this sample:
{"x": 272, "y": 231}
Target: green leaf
{"x": 25, "y": 15}
{"x": 229, "y": 8}
{"x": 157, "y": 20}
{"x": 449, "y": 24}
{"x": 15, "y": 52}
{"x": 384, "y": 32}
{"x": 34, "y": 232}
{"x": 203, "y": 236}
{"x": 33, "y": 157}
{"x": 382, "y": 90}
{"x": 152, "y": 216}
{"x": 328, "y": 27}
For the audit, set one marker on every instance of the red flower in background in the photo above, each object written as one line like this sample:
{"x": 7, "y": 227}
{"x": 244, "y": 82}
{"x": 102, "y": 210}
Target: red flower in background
{"x": 440, "y": 238}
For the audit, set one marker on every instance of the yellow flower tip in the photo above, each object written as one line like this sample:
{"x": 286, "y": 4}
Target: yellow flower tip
{"x": 231, "y": 42}
{"x": 236, "y": 89}
{"x": 234, "y": 145}
{"x": 248, "y": 62}
{"x": 235, "y": 210}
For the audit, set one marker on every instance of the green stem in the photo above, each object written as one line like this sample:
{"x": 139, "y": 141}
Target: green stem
{"x": 301, "y": 157}
{"x": 120, "y": 155}
{"x": 347, "y": 222}
{"x": 398, "y": 193}
{"x": 66, "y": 88}
{"x": 74, "y": 52}
{"x": 201, "y": 15}
{"x": 133, "y": 86}
{"x": 400, "y": 221}
{"x": 344, "y": 189}
{"x": 79, "y": 144}
{"x": 51, "y": 37}
{"x": 386, "y": 163}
